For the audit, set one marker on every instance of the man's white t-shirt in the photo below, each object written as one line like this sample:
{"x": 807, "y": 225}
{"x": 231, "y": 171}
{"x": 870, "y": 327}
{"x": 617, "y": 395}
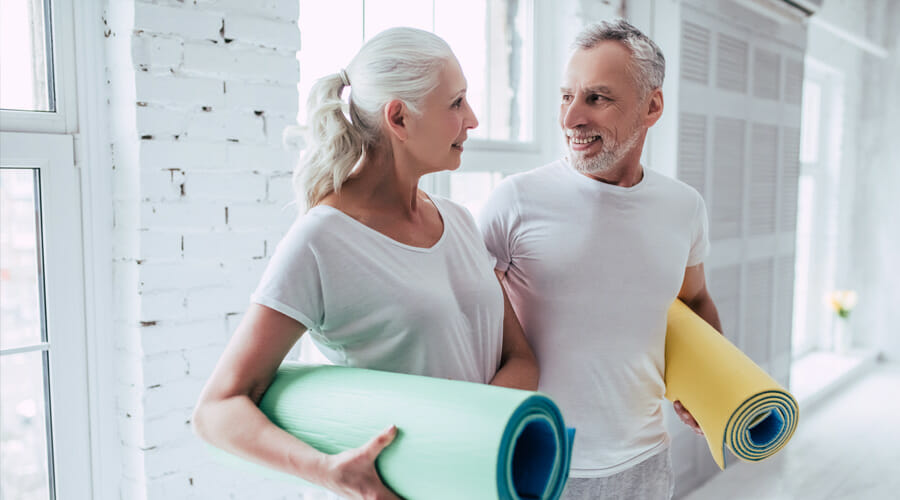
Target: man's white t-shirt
{"x": 370, "y": 301}
{"x": 592, "y": 269}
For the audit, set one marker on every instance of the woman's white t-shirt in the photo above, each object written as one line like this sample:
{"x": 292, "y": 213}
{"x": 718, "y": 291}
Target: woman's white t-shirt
{"x": 370, "y": 301}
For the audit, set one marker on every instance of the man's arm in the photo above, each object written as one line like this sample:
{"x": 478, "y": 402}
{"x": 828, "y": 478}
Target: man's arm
{"x": 518, "y": 366}
{"x": 696, "y": 296}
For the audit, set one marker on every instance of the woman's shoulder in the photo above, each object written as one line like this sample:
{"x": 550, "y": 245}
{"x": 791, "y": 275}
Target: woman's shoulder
{"x": 312, "y": 226}
{"x": 450, "y": 208}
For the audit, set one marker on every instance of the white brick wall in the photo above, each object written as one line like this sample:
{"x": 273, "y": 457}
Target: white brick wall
{"x": 200, "y": 93}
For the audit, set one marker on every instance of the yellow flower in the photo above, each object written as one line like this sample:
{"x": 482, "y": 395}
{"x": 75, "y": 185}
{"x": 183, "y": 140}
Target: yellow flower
{"x": 842, "y": 301}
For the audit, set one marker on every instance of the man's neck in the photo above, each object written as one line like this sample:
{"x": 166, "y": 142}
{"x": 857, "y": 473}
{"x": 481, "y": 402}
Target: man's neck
{"x": 624, "y": 176}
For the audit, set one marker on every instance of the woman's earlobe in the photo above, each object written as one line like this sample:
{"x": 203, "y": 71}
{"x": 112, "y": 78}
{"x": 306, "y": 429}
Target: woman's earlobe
{"x": 395, "y": 117}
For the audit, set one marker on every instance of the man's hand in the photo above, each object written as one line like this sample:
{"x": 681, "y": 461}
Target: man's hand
{"x": 687, "y": 418}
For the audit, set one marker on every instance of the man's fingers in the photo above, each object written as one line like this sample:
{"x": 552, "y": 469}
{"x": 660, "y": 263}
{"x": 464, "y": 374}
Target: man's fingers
{"x": 686, "y": 417}
{"x": 380, "y": 442}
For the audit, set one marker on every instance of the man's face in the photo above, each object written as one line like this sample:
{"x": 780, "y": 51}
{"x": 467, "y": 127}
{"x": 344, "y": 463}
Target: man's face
{"x": 601, "y": 109}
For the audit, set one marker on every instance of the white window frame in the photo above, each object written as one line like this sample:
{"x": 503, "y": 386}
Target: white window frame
{"x": 52, "y": 156}
{"x": 46, "y": 141}
{"x": 64, "y": 118}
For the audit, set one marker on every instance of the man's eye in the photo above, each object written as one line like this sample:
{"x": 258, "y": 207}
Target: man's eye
{"x": 566, "y": 98}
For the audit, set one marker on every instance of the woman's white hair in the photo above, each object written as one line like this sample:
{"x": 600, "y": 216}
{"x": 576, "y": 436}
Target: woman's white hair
{"x": 399, "y": 63}
{"x": 648, "y": 62}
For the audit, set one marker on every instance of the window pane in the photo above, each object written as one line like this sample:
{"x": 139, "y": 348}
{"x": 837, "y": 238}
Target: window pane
{"x": 492, "y": 40}
{"x": 26, "y": 77}
{"x": 20, "y": 271}
{"x": 23, "y": 427}
{"x": 471, "y": 189}
{"x": 383, "y": 14}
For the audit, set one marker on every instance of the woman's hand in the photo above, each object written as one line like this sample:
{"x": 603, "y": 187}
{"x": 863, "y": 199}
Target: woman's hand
{"x": 353, "y": 472}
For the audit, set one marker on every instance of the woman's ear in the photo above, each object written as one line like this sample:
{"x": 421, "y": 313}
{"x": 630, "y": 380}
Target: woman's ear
{"x": 396, "y": 119}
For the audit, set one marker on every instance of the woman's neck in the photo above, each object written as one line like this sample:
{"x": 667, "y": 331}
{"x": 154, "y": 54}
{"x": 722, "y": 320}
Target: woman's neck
{"x": 382, "y": 184}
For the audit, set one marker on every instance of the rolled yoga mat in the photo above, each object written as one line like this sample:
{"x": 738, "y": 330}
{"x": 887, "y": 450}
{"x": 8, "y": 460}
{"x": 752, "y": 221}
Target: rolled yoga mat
{"x": 455, "y": 439}
{"x": 735, "y": 402}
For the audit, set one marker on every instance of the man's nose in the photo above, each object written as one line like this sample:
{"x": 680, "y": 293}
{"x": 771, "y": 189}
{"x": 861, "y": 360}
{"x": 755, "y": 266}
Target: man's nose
{"x": 574, "y": 114}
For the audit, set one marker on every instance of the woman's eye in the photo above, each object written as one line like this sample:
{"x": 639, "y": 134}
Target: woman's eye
{"x": 457, "y": 103}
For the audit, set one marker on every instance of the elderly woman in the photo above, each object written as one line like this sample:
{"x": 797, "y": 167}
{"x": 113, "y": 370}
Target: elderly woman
{"x": 381, "y": 274}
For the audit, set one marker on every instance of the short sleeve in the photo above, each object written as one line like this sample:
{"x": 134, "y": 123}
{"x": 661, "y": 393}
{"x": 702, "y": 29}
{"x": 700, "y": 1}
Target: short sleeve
{"x": 700, "y": 239}
{"x": 497, "y": 221}
{"x": 291, "y": 283}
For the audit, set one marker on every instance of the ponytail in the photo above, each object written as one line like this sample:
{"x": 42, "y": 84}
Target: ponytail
{"x": 334, "y": 145}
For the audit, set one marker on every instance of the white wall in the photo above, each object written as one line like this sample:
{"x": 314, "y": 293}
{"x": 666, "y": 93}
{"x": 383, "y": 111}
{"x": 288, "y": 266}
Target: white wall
{"x": 199, "y": 95}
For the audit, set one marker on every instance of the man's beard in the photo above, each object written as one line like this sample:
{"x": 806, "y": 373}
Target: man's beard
{"x": 610, "y": 154}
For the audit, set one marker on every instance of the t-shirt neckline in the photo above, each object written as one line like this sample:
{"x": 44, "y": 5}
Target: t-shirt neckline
{"x": 382, "y": 236}
{"x": 603, "y": 186}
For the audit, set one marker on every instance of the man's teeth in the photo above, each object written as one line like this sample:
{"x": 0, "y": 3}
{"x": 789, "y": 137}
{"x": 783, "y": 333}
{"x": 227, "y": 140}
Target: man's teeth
{"x": 585, "y": 140}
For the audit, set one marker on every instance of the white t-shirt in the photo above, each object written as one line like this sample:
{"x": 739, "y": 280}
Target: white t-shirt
{"x": 370, "y": 301}
{"x": 592, "y": 269}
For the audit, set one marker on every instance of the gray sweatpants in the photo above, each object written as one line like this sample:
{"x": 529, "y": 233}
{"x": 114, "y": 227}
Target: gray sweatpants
{"x": 651, "y": 479}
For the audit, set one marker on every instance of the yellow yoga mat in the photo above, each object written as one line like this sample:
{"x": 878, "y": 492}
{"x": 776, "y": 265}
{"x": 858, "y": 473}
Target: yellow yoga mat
{"x": 735, "y": 402}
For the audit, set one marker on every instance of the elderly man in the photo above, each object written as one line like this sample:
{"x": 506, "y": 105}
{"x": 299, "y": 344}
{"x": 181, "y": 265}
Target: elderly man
{"x": 594, "y": 249}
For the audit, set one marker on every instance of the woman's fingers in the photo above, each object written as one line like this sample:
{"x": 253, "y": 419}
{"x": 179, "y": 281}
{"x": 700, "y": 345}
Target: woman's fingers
{"x": 378, "y": 443}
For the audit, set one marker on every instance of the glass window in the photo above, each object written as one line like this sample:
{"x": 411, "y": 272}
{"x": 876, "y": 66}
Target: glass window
{"x": 490, "y": 38}
{"x": 20, "y": 322}
{"x": 26, "y": 56}
{"x": 472, "y": 189}
{"x": 24, "y": 379}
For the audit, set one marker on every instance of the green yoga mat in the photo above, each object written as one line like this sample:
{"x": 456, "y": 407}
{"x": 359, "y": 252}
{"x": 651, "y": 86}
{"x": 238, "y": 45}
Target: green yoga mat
{"x": 455, "y": 439}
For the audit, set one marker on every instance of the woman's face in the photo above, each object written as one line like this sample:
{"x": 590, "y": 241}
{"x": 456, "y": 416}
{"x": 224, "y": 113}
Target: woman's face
{"x": 436, "y": 137}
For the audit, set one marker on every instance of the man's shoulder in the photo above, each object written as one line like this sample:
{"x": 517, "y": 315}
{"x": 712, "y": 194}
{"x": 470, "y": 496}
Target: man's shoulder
{"x": 675, "y": 186}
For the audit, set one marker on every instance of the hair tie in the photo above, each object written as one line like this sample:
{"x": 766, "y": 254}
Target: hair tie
{"x": 344, "y": 78}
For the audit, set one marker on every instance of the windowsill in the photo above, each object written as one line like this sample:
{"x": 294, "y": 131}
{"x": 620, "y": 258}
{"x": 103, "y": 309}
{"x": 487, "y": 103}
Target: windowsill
{"x": 818, "y": 374}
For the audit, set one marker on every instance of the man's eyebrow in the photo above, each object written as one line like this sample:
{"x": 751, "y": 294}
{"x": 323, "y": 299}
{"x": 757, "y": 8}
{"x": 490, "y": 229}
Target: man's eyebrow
{"x": 599, "y": 89}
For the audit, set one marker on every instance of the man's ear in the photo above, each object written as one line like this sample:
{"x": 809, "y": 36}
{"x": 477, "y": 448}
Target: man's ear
{"x": 396, "y": 119}
{"x": 654, "y": 107}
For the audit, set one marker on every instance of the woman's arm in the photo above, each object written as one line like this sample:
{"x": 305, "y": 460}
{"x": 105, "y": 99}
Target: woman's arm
{"x": 518, "y": 366}
{"x": 227, "y": 415}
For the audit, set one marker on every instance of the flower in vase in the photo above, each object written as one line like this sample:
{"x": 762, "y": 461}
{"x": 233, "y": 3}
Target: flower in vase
{"x": 842, "y": 302}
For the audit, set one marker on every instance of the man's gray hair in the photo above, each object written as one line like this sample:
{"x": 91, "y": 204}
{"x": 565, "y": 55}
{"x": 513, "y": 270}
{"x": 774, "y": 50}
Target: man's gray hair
{"x": 649, "y": 65}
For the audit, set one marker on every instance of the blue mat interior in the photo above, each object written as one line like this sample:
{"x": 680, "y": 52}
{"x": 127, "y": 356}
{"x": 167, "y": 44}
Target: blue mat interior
{"x": 533, "y": 456}
{"x": 766, "y": 430}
